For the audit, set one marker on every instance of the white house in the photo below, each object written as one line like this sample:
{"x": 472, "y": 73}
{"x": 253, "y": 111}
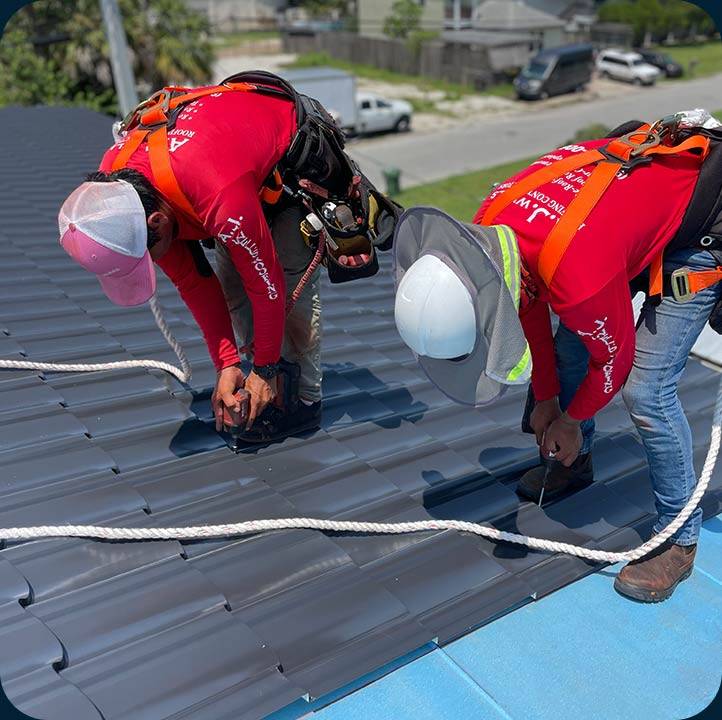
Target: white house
{"x": 515, "y": 16}
{"x": 372, "y": 13}
{"x": 231, "y": 15}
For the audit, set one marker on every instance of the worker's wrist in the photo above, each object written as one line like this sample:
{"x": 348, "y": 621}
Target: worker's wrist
{"x": 268, "y": 371}
{"x": 567, "y": 419}
{"x": 228, "y": 365}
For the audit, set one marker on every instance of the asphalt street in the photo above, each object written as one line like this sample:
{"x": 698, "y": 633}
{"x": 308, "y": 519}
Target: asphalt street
{"x": 424, "y": 157}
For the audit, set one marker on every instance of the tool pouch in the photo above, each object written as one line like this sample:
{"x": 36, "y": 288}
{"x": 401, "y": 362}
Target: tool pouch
{"x": 316, "y": 163}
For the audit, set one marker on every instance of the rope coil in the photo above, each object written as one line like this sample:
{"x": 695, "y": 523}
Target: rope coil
{"x": 345, "y": 526}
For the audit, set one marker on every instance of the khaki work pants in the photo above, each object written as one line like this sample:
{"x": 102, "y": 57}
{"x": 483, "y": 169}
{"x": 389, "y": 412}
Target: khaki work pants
{"x": 302, "y": 337}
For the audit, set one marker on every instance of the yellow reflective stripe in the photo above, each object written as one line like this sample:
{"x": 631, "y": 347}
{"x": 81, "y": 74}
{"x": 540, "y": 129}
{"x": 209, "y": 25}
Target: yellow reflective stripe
{"x": 521, "y": 366}
{"x": 511, "y": 239}
{"x": 506, "y": 254}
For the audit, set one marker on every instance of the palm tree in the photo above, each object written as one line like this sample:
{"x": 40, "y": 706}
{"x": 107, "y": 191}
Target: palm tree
{"x": 170, "y": 44}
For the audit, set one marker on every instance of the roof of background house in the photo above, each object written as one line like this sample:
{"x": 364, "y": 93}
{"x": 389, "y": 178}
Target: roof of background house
{"x": 220, "y": 630}
{"x": 485, "y": 38}
{"x": 512, "y": 15}
{"x": 563, "y": 8}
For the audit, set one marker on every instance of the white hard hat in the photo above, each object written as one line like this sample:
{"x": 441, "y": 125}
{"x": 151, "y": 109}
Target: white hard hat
{"x": 434, "y": 311}
{"x": 457, "y": 304}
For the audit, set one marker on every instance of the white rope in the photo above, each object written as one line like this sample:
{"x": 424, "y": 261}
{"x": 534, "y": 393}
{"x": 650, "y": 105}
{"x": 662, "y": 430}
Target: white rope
{"x": 347, "y": 526}
{"x": 183, "y": 373}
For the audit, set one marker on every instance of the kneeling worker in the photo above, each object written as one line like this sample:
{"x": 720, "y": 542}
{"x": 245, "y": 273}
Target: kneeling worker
{"x": 568, "y": 234}
{"x": 239, "y": 166}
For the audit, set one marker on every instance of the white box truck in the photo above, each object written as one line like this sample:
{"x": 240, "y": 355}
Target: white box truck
{"x": 334, "y": 89}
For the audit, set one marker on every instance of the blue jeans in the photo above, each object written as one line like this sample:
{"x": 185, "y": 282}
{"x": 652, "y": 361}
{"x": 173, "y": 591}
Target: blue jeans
{"x": 665, "y": 336}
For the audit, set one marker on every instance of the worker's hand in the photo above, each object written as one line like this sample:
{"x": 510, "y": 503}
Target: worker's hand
{"x": 563, "y": 438}
{"x": 228, "y": 381}
{"x": 542, "y": 416}
{"x": 262, "y": 393}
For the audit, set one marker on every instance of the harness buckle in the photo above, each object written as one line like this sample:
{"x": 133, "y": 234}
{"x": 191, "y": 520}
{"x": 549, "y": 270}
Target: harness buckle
{"x": 679, "y": 282}
{"x": 653, "y": 139}
{"x": 668, "y": 127}
{"x": 636, "y": 155}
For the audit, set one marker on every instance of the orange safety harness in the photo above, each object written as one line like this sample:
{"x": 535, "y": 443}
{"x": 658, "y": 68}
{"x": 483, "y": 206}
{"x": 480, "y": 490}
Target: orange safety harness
{"x": 621, "y": 154}
{"x": 150, "y": 122}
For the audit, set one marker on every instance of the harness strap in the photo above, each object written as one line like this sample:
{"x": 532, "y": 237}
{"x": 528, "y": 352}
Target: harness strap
{"x": 536, "y": 180}
{"x": 695, "y": 142}
{"x": 149, "y": 123}
{"x": 164, "y": 176}
{"x": 134, "y": 141}
{"x": 559, "y": 239}
{"x": 702, "y": 279}
{"x": 271, "y": 194}
{"x": 656, "y": 276}
{"x": 621, "y": 153}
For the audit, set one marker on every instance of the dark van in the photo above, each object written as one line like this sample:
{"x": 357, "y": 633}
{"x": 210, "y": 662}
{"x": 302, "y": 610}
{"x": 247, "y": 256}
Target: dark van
{"x": 555, "y": 71}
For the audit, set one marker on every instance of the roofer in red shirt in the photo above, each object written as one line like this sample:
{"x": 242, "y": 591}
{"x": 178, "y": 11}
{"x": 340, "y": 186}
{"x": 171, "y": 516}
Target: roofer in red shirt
{"x": 567, "y": 235}
{"x": 239, "y": 165}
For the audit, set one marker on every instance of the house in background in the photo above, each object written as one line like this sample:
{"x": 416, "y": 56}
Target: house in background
{"x": 234, "y": 15}
{"x": 612, "y": 33}
{"x": 580, "y": 15}
{"x": 499, "y": 54}
{"x": 373, "y": 13}
{"x": 515, "y": 16}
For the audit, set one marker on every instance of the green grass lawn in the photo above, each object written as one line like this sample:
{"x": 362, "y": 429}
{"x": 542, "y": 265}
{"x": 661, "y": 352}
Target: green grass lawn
{"x": 708, "y": 56}
{"x": 460, "y": 195}
{"x": 453, "y": 91}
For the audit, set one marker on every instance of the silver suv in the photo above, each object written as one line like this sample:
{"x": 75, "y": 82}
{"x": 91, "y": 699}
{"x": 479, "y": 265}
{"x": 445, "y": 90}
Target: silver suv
{"x": 627, "y": 66}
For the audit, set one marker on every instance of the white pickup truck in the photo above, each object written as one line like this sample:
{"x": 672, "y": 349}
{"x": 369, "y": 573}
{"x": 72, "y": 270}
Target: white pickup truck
{"x": 377, "y": 114}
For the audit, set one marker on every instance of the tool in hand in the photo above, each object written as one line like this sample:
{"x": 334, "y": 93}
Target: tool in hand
{"x": 548, "y": 462}
{"x": 234, "y": 423}
{"x": 270, "y": 424}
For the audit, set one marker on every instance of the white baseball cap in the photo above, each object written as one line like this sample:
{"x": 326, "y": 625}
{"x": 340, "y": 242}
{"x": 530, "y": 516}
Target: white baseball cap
{"x": 103, "y": 227}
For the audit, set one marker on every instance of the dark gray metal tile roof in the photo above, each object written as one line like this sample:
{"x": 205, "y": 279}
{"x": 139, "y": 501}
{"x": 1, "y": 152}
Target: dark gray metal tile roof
{"x": 240, "y": 628}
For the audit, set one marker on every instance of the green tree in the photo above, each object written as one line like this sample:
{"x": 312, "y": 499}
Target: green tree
{"x": 656, "y": 19}
{"x": 325, "y": 8}
{"x": 55, "y": 52}
{"x": 404, "y": 20}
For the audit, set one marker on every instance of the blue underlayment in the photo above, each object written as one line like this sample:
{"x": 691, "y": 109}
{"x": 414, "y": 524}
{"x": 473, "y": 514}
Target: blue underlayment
{"x": 581, "y": 652}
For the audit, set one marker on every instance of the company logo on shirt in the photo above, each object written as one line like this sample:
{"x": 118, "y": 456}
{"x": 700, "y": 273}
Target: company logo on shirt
{"x": 601, "y": 334}
{"x": 232, "y": 232}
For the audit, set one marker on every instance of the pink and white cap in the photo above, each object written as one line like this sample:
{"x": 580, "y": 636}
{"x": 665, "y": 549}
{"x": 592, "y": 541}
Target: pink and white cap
{"x": 103, "y": 228}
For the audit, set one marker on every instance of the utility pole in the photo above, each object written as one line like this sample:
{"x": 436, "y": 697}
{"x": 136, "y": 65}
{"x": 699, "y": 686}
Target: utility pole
{"x": 119, "y": 56}
{"x": 457, "y": 14}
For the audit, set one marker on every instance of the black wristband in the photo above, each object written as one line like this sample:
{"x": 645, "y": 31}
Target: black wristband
{"x": 267, "y": 372}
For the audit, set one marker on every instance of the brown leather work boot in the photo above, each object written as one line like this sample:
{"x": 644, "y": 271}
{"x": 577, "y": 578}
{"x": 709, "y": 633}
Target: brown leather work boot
{"x": 653, "y": 578}
{"x": 559, "y": 479}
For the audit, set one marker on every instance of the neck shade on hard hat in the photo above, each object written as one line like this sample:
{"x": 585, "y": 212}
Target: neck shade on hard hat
{"x": 485, "y": 261}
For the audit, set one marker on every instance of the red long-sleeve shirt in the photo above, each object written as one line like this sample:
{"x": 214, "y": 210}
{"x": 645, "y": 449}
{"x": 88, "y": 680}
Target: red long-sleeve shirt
{"x": 222, "y": 149}
{"x": 635, "y": 219}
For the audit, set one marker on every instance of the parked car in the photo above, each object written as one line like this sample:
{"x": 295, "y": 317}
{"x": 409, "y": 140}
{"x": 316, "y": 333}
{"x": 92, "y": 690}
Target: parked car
{"x": 671, "y": 68}
{"x": 627, "y": 66}
{"x": 377, "y": 114}
{"x": 555, "y": 71}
